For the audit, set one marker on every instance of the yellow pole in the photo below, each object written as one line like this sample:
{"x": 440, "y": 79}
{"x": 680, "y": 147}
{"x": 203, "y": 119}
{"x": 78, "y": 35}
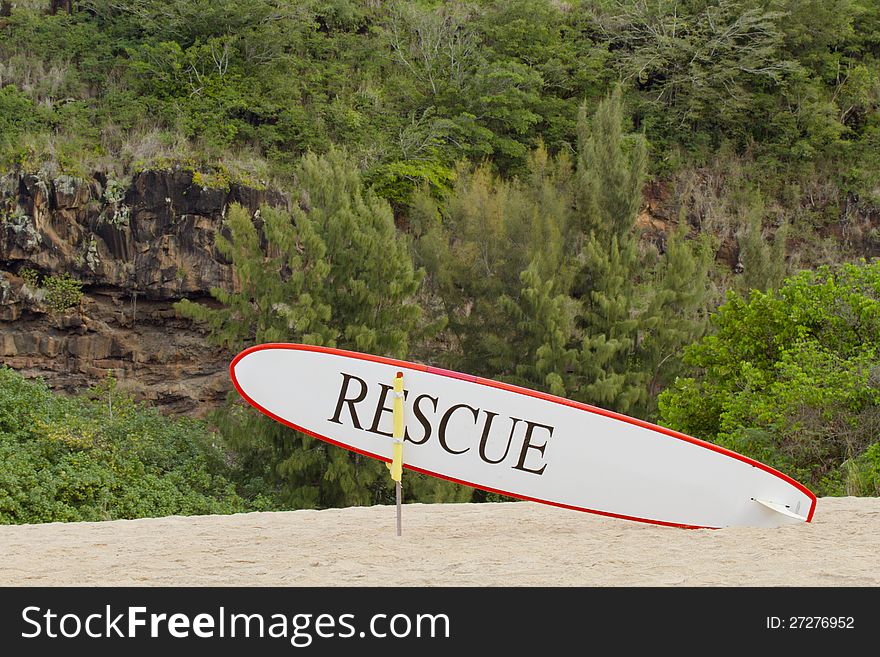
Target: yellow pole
{"x": 396, "y": 465}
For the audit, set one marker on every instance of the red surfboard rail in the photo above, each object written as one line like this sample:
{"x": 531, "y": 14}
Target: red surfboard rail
{"x": 509, "y": 388}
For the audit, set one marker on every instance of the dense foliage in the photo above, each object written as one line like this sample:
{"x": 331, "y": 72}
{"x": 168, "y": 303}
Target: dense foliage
{"x": 543, "y": 280}
{"x": 335, "y": 272}
{"x": 468, "y": 183}
{"x": 101, "y": 457}
{"x": 412, "y": 87}
{"x": 561, "y": 300}
{"x": 792, "y": 378}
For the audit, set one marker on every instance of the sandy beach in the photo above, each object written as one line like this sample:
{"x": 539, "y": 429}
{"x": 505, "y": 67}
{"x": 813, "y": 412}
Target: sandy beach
{"x": 444, "y": 545}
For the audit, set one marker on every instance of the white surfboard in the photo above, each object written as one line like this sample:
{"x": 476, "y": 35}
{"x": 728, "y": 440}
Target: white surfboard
{"x": 515, "y": 441}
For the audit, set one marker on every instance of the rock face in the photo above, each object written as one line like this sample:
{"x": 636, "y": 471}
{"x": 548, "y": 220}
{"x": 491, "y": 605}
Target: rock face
{"x": 138, "y": 247}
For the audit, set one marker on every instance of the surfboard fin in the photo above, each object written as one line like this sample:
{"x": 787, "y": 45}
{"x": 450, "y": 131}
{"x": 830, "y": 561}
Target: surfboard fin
{"x": 780, "y": 508}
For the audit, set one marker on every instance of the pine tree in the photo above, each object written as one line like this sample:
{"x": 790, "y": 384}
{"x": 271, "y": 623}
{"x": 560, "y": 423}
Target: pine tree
{"x": 763, "y": 263}
{"x": 274, "y": 297}
{"x": 609, "y": 283}
{"x": 466, "y": 251}
{"x": 543, "y": 279}
{"x": 499, "y": 249}
{"x": 610, "y": 319}
{"x": 537, "y": 311}
{"x": 333, "y": 271}
{"x": 611, "y": 171}
{"x": 679, "y": 309}
{"x": 541, "y": 319}
{"x": 635, "y": 311}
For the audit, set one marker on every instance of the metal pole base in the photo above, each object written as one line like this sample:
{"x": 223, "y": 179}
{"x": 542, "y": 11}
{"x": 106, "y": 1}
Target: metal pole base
{"x": 399, "y": 499}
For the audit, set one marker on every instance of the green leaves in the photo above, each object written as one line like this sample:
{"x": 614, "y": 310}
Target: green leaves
{"x": 62, "y": 291}
{"x": 701, "y": 67}
{"x": 796, "y": 368}
{"x": 635, "y": 311}
{"x": 102, "y": 458}
{"x": 542, "y": 279}
{"x": 523, "y": 212}
{"x": 17, "y": 114}
{"x": 610, "y": 172}
{"x": 331, "y": 271}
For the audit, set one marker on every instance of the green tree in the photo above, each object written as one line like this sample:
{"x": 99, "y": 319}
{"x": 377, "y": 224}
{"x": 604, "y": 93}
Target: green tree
{"x": 790, "y": 377}
{"x": 609, "y": 282}
{"x": 478, "y": 247}
{"x": 635, "y": 310}
{"x": 682, "y": 294}
{"x": 611, "y": 171}
{"x": 763, "y": 264}
{"x": 100, "y": 456}
{"x": 702, "y": 65}
{"x": 333, "y": 271}
{"x": 544, "y": 281}
{"x": 541, "y": 319}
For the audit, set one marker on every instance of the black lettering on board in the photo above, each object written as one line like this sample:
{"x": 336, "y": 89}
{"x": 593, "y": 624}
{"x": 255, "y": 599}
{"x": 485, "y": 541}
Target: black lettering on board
{"x": 527, "y": 445}
{"x": 487, "y": 427}
{"x": 346, "y": 379}
{"x": 423, "y": 420}
{"x": 445, "y": 421}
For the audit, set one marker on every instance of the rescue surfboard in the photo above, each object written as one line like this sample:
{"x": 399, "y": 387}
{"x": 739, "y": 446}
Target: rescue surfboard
{"x": 516, "y": 441}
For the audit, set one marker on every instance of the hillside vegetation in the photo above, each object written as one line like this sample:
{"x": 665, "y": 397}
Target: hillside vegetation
{"x": 783, "y": 91}
{"x": 102, "y": 457}
{"x": 668, "y": 208}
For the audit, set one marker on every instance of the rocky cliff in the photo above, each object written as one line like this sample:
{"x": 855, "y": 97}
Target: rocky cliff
{"x": 140, "y": 245}
{"x": 137, "y": 246}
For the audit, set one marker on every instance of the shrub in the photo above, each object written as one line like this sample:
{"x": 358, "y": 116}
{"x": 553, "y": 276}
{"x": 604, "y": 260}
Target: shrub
{"x": 791, "y": 378}
{"x": 102, "y": 457}
{"x": 62, "y": 291}
{"x": 30, "y": 277}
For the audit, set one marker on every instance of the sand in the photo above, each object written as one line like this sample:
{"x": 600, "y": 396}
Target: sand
{"x": 444, "y": 545}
